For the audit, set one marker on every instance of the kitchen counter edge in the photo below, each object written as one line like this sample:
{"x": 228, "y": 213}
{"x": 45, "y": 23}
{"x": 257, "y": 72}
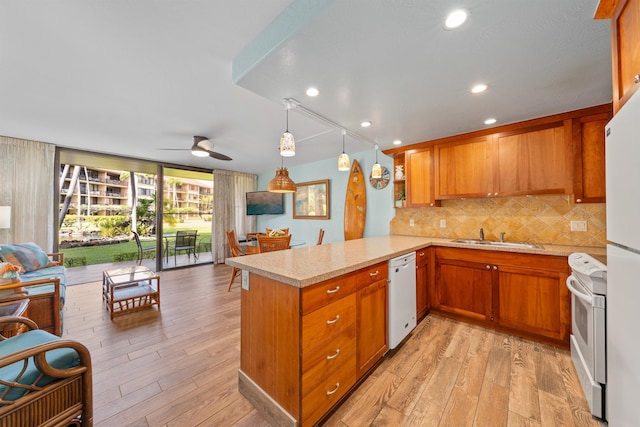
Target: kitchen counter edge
{"x": 301, "y": 267}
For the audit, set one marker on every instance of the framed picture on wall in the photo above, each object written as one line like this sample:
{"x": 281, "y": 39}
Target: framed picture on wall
{"x": 311, "y": 200}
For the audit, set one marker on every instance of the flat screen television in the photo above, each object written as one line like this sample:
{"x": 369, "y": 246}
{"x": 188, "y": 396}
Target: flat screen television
{"x": 265, "y": 203}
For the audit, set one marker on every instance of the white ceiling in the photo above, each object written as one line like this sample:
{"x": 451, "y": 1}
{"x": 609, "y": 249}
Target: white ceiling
{"x": 133, "y": 77}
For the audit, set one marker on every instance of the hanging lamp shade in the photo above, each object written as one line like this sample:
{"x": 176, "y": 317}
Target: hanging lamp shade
{"x": 287, "y": 141}
{"x": 376, "y": 170}
{"x": 281, "y": 183}
{"x": 344, "y": 164}
{"x": 287, "y": 145}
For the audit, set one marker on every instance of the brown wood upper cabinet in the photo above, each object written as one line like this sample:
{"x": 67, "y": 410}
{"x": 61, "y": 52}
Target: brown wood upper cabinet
{"x": 589, "y": 162}
{"x": 534, "y": 162}
{"x": 465, "y": 168}
{"x": 559, "y": 154}
{"x": 419, "y": 178}
{"x": 625, "y": 33}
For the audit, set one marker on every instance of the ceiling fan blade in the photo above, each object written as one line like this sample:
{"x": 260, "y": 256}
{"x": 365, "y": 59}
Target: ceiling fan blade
{"x": 219, "y": 156}
{"x": 174, "y": 149}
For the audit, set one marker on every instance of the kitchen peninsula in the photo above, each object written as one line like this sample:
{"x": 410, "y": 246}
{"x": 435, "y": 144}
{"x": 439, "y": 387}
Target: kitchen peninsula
{"x": 313, "y": 319}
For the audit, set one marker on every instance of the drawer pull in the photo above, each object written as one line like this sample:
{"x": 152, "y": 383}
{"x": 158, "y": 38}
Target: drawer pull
{"x": 331, "y": 322}
{"x": 333, "y": 356}
{"x": 333, "y": 291}
{"x": 421, "y": 253}
{"x": 374, "y": 274}
{"x": 330, "y": 392}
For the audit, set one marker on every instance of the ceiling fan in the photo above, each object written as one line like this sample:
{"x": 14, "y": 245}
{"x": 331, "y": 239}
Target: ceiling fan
{"x": 202, "y": 147}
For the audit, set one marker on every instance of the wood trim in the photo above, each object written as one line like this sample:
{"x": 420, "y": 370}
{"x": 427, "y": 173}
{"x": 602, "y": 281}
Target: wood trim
{"x": 605, "y": 9}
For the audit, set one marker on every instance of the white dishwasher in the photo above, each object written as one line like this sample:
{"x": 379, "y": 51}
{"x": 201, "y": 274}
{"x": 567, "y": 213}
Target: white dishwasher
{"x": 402, "y": 297}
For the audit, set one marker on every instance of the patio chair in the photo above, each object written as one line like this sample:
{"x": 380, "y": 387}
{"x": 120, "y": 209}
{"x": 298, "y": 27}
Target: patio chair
{"x": 185, "y": 241}
{"x": 270, "y": 244}
{"x": 143, "y": 249}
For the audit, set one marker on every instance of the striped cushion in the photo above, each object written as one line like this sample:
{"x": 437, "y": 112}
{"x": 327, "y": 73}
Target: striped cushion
{"x": 28, "y": 256}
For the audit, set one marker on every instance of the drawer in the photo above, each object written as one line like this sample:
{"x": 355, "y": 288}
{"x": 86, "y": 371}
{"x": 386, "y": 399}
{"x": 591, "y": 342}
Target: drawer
{"x": 324, "y": 293}
{"x": 317, "y": 401}
{"x": 372, "y": 274}
{"x": 328, "y": 321}
{"x": 422, "y": 257}
{"x": 328, "y": 357}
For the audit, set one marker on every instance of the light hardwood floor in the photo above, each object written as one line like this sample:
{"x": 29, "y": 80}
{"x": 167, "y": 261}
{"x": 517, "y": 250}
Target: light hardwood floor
{"x": 178, "y": 367}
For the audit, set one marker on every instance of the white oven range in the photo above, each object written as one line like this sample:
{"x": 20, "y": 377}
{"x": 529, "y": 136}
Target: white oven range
{"x": 588, "y": 286}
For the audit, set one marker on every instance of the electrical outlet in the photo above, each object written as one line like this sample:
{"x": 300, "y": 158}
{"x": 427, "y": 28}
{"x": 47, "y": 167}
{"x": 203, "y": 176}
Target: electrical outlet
{"x": 578, "y": 225}
{"x": 443, "y": 223}
{"x": 411, "y": 223}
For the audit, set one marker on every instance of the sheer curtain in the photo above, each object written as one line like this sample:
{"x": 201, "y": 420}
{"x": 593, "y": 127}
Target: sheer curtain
{"x": 27, "y": 177}
{"x": 229, "y": 190}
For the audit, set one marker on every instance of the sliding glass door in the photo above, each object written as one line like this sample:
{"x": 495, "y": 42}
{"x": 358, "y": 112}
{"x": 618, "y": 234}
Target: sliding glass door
{"x": 187, "y": 209}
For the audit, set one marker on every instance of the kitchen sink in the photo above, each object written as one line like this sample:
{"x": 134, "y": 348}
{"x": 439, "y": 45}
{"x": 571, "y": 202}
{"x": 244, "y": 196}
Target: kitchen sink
{"x": 500, "y": 244}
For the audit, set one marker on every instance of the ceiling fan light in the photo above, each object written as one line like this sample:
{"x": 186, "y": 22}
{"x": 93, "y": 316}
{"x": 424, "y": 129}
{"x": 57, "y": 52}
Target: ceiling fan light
{"x": 343, "y": 162}
{"x": 199, "y": 152}
{"x": 200, "y": 146}
{"x": 281, "y": 183}
{"x": 287, "y": 145}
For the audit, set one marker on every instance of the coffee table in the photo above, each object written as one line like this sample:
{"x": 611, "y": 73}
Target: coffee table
{"x": 131, "y": 288}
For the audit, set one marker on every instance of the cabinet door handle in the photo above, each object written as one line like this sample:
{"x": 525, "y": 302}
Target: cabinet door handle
{"x": 374, "y": 273}
{"x": 333, "y": 291}
{"x": 330, "y": 392}
{"x": 578, "y": 200}
{"x": 488, "y": 267}
{"x": 495, "y": 267}
{"x": 331, "y": 322}
{"x": 421, "y": 254}
{"x": 333, "y": 356}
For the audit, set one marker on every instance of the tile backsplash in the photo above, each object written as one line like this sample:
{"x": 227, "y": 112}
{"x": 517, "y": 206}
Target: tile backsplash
{"x": 535, "y": 219}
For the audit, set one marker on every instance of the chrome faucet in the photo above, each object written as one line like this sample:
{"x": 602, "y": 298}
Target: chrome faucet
{"x": 502, "y": 236}
{"x": 481, "y": 234}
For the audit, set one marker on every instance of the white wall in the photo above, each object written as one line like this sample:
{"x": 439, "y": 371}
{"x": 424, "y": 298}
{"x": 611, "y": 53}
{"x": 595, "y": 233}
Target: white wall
{"x": 380, "y": 209}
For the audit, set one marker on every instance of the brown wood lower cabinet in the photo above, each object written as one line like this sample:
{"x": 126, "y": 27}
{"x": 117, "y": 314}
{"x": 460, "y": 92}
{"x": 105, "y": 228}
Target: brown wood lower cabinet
{"x": 423, "y": 258}
{"x": 373, "y": 340}
{"x": 521, "y": 293}
{"x": 305, "y": 348}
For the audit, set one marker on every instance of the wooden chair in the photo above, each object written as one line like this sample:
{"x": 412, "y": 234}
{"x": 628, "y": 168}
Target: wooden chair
{"x": 236, "y": 250}
{"x": 284, "y": 231}
{"x": 143, "y": 249}
{"x": 320, "y": 236}
{"x": 270, "y": 244}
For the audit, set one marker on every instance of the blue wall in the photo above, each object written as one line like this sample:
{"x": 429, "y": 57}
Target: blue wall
{"x": 380, "y": 209}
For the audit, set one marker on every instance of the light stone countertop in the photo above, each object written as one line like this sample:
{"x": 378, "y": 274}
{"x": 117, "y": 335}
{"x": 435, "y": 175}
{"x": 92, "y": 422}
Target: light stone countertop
{"x": 301, "y": 267}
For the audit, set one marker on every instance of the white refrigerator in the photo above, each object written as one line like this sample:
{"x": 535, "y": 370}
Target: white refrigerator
{"x": 623, "y": 265}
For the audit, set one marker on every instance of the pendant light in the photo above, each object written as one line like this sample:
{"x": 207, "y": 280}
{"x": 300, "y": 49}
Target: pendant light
{"x": 287, "y": 142}
{"x": 376, "y": 170}
{"x": 343, "y": 159}
{"x": 281, "y": 183}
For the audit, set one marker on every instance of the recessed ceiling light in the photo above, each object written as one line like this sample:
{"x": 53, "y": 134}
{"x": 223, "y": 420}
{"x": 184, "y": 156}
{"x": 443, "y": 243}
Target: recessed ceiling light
{"x": 490, "y": 121}
{"x": 456, "y": 19}
{"x": 365, "y": 124}
{"x": 479, "y": 88}
{"x": 397, "y": 142}
{"x": 312, "y": 91}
